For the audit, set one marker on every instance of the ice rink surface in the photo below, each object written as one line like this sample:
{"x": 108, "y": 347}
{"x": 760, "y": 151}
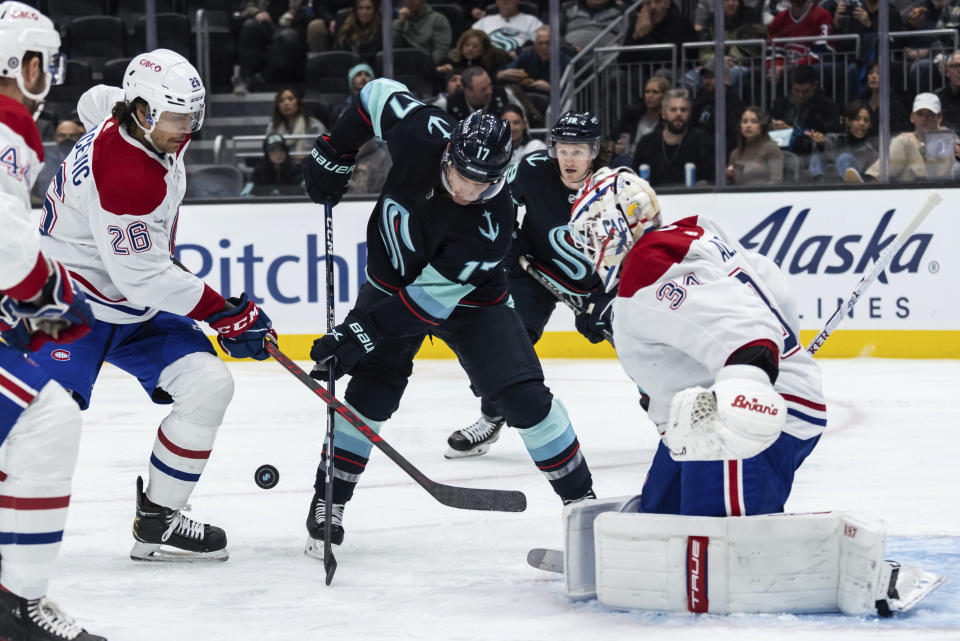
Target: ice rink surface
{"x": 411, "y": 568}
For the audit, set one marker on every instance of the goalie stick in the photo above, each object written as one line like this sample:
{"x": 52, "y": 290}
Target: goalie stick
{"x": 464, "y": 498}
{"x": 884, "y": 259}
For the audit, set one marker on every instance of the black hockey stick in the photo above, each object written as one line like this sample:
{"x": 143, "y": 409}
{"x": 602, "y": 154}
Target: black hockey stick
{"x": 464, "y": 498}
{"x": 568, "y": 300}
{"x": 329, "y": 561}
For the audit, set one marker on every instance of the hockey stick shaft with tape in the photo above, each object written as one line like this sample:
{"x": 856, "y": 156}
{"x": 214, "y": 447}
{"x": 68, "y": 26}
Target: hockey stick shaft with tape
{"x": 464, "y": 498}
{"x": 329, "y": 561}
{"x": 932, "y": 201}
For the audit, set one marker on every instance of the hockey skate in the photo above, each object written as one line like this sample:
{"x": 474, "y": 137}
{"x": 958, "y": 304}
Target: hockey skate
{"x": 586, "y": 497}
{"x": 907, "y": 586}
{"x": 475, "y": 439}
{"x": 37, "y": 620}
{"x": 318, "y": 510}
{"x": 164, "y": 534}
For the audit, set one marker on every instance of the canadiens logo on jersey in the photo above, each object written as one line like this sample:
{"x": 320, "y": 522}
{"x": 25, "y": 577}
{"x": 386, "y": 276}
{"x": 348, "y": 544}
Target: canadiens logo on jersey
{"x": 60, "y": 355}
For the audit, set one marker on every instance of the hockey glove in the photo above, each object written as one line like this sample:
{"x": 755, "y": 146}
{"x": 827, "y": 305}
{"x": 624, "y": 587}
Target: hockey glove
{"x": 242, "y": 330}
{"x": 346, "y": 344}
{"x": 326, "y": 174}
{"x": 62, "y": 314}
{"x": 594, "y": 319}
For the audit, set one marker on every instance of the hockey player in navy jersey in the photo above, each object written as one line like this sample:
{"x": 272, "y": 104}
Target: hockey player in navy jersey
{"x": 436, "y": 241}
{"x": 110, "y": 216}
{"x": 39, "y": 422}
{"x": 546, "y": 183}
{"x": 710, "y": 331}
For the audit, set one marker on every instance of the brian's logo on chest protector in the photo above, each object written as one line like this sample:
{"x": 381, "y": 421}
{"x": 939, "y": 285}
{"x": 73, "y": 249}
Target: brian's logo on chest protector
{"x": 490, "y": 232}
{"x": 394, "y": 228}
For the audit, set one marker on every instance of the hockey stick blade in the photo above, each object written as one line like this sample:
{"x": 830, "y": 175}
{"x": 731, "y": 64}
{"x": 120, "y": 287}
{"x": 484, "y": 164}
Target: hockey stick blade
{"x": 464, "y": 498}
{"x": 546, "y": 560}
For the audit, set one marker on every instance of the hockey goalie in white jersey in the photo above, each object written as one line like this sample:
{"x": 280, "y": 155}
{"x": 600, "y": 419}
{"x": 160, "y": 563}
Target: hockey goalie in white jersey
{"x": 709, "y": 331}
{"x": 110, "y": 216}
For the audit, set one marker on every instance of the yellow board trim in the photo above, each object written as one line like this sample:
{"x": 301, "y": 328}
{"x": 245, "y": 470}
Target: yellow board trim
{"x": 847, "y": 343}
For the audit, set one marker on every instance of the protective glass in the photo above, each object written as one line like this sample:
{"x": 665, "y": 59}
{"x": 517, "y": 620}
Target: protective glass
{"x": 57, "y": 69}
{"x": 464, "y": 189}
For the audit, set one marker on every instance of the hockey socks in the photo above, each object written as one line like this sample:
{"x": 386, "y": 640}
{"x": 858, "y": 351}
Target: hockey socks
{"x": 350, "y": 455}
{"x": 555, "y": 450}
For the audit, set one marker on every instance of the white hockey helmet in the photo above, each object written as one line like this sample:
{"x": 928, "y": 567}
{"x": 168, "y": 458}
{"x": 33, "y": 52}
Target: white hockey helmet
{"x": 23, "y": 29}
{"x": 613, "y": 209}
{"x": 170, "y": 86}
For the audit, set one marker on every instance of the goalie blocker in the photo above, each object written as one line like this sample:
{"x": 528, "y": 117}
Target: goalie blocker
{"x": 796, "y": 563}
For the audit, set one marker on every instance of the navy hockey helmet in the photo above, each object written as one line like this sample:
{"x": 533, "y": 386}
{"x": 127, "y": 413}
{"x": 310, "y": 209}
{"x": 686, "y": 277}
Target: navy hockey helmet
{"x": 576, "y": 128}
{"x": 480, "y": 150}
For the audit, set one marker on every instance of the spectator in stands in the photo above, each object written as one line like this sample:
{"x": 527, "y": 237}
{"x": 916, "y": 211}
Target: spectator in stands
{"x": 474, "y": 49}
{"x": 523, "y": 143}
{"x": 361, "y": 30}
{"x": 479, "y": 92}
{"x": 276, "y": 174}
{"x": 357, "y": 78}
{"x": 508, "y": 28}
{"x": 452, "y": 83}
{"x": 657, "y": 22}
{"x": 805, "y": 110}
{"x": 950, "y": 15}
{"x": 899, "y": 112}
{"x": 741, "y": 22}
{"x": 860, "y": 17}
{"x": 270, "y": 52}
{"x": 704, "y": 105}
{"x": 920, "y": 16}
{"x": 757, "y": 160}
{"x": 668, "y": 148}
{"x": 583, "y": 20}
{"x": 291, "y": 118}
{"x": 640, "y": 120}
{"x": 66, "y": 135}
{"x": 532, "y": 67}
{"x": 926, "y": 153}
{"x": 802, "y": 18}
{"x": 846, "y": 156}
{"x": 703, "y": 14}
{"x": 373, "y": 165}
{"x": 949, "y": 94}
{"x": 417, "y": 25}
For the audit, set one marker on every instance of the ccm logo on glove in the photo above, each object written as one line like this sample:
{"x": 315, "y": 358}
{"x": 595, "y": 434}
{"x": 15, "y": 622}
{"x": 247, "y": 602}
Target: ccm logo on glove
{"x": 331, "y": 166}
{"x": 754, "y": 406}
{"x": 237, "y": 327}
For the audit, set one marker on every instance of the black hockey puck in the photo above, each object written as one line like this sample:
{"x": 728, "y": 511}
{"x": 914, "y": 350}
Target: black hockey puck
{"x": 266, "y": 476}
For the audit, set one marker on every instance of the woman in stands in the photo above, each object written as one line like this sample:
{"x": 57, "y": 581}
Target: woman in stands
{"x": 360, "y": 31}
{"x": 847, "y": 155}
{"x": 640, "y": 120}
{"x": 291, "y": 118}
{"x": 757, "y": 160}
{"x": 474, "y": 49}
{"x": 276, "y": 174}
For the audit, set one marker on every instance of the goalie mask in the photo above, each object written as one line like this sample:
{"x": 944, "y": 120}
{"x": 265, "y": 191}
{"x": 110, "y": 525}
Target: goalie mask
{"x": 614, "y": 208}
{"x": 23, "y": 29}
{"x": 172, "y": 89}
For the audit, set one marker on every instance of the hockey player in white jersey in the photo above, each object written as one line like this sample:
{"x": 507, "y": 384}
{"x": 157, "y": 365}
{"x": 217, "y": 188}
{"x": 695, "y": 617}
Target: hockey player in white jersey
{"x": 110, "y": 216}
{"x": 39, "y": 423}
{"x": 709, "y": 330}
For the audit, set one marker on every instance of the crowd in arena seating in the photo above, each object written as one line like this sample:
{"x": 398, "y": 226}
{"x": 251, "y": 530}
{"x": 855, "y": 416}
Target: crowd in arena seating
{"x": 801, "y": 111}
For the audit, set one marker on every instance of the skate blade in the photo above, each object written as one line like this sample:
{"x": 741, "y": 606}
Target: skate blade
{"x": 477, "y": 451}
{"x": 157, "y": 553}
{"x": 919, "y": 587}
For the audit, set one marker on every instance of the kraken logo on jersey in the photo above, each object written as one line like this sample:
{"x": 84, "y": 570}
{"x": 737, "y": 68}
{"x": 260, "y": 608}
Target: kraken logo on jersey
{"x": 436, "y": 122}
{"x": 506, "y": 38}
{"x": 571, "y": 261}
{"x": 536, "y": 157}
{"x": 490, "y": 232}
{"x": 394, "y": 226}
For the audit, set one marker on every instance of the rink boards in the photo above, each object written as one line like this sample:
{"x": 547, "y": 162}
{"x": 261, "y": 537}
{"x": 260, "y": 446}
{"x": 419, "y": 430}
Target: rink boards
{"x": 824, "y": 241}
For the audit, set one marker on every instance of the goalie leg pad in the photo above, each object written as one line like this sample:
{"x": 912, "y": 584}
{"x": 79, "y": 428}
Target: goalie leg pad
{"x": 797, "y": 563}
{"x": 579, "y": 574}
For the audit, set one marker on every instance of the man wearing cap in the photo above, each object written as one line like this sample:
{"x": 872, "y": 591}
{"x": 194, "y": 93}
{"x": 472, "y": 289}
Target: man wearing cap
{"x": 926, "y": 153}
